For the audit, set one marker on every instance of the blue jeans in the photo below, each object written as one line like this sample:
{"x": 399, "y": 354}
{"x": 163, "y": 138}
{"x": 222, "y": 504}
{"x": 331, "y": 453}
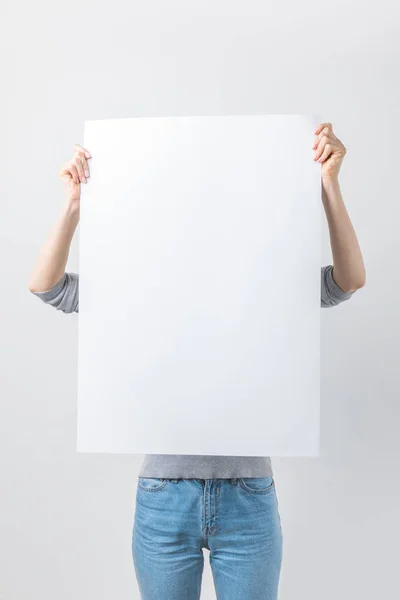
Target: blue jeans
{"x": 237, "y": 520}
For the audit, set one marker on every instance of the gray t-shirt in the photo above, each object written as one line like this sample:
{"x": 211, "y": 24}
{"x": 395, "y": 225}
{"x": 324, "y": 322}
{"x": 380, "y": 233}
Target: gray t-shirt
{"x": 64, "y": 296}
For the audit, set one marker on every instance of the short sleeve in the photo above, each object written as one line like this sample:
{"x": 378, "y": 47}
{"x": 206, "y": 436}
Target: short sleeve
{"x": 331, "y": 293}
{"x": 64, "y": 295}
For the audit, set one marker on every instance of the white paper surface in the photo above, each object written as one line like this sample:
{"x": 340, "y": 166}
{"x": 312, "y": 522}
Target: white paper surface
{"x": 199, "y": 271}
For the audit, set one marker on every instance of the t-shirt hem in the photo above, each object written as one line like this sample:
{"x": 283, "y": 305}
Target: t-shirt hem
{"x": 255, "y": 467}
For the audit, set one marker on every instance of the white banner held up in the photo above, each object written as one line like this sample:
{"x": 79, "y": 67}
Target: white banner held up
{"x": 200, "y": 287}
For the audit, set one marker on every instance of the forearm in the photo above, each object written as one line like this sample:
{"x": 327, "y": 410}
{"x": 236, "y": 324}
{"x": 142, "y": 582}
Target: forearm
{"x": 348, "y": 264}
{"x": 51, "y": 262}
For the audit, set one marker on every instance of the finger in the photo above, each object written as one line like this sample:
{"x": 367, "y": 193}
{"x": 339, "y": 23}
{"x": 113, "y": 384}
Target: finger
{"x": 78, "y": 164}
{"x": 85, "y": 165}
{"x": 326, "y": 137}
{"x": 325, "y": 132}
{"x": 66, "y": 171}
{"x": 321, "y": 146}
{"x": 321, "y": 126}
{"x": 326, "y": 153}
{"x": 79, "y": 148}
{"x": 74, "y": 173}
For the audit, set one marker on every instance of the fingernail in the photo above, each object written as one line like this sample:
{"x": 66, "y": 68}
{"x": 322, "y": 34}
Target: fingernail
{"x": 86, "y": 173}
{"x": 87, "y": 154}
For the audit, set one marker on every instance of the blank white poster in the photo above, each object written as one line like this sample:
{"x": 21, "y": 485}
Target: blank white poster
{"x": 200, "y": 288}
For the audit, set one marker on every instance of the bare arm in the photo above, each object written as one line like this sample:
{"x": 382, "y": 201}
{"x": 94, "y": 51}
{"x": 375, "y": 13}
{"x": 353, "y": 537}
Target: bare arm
{"x": 348, "y": 265}
{"x": 50, "y": 265}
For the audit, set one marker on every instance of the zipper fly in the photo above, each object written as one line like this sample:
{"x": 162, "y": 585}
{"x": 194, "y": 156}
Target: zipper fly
{"x": 210, "y": 505}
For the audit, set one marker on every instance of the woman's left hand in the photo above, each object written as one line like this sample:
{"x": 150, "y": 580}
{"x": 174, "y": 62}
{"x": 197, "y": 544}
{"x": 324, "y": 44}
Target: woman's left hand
{"x": 329, "y": 151}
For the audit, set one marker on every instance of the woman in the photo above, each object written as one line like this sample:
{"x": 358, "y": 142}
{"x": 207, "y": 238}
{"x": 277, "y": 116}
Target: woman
{"x": 223, "y": 503}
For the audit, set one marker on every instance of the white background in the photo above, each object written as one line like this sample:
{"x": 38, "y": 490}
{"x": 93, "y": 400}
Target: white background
{"x": 200, "y": 287}
{"x": 65, "y": 518}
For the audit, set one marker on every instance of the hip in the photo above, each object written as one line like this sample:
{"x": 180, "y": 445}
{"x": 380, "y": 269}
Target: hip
{"x": 203, "y": 507}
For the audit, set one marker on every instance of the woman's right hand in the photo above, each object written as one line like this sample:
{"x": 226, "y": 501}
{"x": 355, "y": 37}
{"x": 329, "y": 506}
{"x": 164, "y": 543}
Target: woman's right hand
{"x": 74, "y": 173}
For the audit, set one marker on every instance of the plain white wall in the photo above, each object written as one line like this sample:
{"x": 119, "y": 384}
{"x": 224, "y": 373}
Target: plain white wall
{"x": 66, "y": 518}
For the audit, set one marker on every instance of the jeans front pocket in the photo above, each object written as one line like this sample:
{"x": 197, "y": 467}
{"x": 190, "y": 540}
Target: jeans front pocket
{"x": 257, "y": 485}
{"x": 152, "y": 484}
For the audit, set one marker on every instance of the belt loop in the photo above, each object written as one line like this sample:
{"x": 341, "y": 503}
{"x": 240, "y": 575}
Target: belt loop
{"x": 234, "y": 480}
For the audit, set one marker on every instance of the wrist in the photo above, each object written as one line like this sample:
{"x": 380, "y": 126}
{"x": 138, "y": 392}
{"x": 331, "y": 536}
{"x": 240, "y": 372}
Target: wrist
{"x": 330, "y": 189}
{"x": 70, "y": 210}
{"x": 330, "y": 182}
